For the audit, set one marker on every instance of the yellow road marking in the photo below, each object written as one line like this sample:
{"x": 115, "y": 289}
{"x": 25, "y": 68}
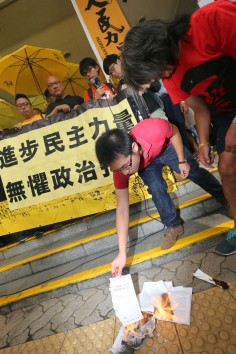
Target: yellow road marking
{"x": 106, "y": 268}
{"x": 105, "y": 233}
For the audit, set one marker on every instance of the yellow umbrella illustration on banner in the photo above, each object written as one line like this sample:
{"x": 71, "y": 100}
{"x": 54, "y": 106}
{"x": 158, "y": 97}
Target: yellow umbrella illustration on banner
{"x": 26, "y": 70}
{"x": 9, "y": 115}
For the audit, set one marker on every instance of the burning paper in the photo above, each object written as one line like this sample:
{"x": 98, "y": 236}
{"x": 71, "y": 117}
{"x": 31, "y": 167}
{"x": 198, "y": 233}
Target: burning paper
{"x": 158, "y": 301}
{"x": 149, "y": 290}
{"x": 124, "y": 300}
{"x": 181, "y": 300}
{"x": 166, "y": 302}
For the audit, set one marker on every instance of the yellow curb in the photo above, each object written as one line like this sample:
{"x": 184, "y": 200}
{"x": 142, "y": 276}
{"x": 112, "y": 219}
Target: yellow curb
{"x": 106, "y": 268}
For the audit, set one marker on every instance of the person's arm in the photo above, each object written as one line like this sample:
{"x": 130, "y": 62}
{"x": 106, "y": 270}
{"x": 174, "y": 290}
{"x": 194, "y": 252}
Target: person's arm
{"x": 61, "y": 108}
{"x": 122, "y": 228}
{"x": 177, "y": 143}
{"x": 202, "y": 118}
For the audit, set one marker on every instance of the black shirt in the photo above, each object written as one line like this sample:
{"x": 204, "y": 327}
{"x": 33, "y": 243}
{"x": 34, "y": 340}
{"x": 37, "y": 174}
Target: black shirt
{"x": 72, "y": 101}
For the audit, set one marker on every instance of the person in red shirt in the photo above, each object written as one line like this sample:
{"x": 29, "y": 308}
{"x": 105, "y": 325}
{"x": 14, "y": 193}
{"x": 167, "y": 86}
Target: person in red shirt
{"x": 150, "y": 145}
{"x": 97, "y": 90}
{"x": 196, "y": 57}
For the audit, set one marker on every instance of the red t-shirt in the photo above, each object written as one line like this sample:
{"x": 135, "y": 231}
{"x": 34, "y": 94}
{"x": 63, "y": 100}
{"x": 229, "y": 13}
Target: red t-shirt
{"x": 153, "y": 135}
{"x": 207, "y": 63}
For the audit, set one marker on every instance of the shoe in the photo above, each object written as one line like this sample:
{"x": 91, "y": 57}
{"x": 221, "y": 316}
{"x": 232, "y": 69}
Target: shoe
{"x": 228, "y": 246}
{"x": 170, "y": 236}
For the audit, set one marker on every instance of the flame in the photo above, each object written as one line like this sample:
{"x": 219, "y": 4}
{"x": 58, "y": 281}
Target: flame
{"x": 163, "y": 308}
{"x": 134, "y": 328}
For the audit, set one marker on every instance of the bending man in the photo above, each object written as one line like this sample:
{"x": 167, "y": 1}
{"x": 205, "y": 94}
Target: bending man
{"x": 149, "y": 146}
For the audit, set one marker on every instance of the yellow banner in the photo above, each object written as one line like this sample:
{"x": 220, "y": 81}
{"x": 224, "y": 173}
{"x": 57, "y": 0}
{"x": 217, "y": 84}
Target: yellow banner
{"x": 59, "y": 159}
{"x": 104, "y": 24}
{"x": 51, "y": 174}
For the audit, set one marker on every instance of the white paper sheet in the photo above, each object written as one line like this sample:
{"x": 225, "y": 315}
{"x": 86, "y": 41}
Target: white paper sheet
{"x": 124, "y": 300}
{"x": 117, "y": 344}
{"x": 203, "y": 276}
{"x": 149, "y": 290}
{"x": 181, "y": 300}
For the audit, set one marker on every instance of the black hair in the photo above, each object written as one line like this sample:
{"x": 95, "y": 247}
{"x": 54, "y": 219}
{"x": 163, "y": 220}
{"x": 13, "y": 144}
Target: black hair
{"x": 113, "y": 144}
{"x": 85, "y": 63}
{"x": 21, "y": 95}
{"x": 150, "y": 47}
{"x": 108, "y": 61}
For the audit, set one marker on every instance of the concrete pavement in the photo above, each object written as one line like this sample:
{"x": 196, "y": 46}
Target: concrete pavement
{"x": 75, "y": 308}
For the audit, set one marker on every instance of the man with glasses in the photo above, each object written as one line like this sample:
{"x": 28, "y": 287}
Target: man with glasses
{"x": 97, "y": 90}
{"x": 62, "y": 102}
{"x": 26, "y": 109}
{"x": 149, "y": 146}
{"x": 112, "y": 67}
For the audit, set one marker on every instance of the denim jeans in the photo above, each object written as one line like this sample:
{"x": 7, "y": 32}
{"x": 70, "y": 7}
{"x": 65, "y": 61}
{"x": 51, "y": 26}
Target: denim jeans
{"x": 157, "y": 187}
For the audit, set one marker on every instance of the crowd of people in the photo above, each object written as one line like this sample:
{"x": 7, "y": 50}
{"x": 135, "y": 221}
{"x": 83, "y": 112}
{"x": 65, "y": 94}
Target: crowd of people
{"x": 198, "y": 70}
{"x": 177, "y": 69}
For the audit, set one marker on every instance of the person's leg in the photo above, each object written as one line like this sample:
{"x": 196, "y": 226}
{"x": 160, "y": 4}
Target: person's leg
{"x": 227, "y": 170}
{"x": 198, "y": 175}
{"x": 152, "y": 177}
{"x": 204, "y": 178}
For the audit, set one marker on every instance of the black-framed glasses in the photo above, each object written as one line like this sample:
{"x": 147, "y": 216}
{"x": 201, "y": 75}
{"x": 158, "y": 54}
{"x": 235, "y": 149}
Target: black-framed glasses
{"x": 124, "y": 167}
{"x": 24, "y": 104}
{"x": 86, "y": 72}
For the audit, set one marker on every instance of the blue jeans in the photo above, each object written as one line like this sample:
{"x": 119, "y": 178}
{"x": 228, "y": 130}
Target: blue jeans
{"x": 157, "y": 187}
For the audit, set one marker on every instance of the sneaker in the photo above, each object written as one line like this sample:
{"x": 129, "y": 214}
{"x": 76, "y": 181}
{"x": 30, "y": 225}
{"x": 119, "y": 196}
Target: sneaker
{"x": 228, "y": 246}
{"x": 170, "y": 236}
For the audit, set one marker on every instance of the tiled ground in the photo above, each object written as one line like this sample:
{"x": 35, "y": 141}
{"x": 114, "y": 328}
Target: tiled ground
{"x": 74, "y": 321}
{"x": 212, "y": 330}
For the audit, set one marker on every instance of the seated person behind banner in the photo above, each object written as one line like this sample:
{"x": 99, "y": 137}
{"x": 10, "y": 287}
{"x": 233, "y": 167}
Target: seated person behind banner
{"x": 26, "y": 110}
{"x": 62, "y": 103}
{"x": 148, "y": 146}
{"x": 97, "y": 90}
{"x": 112, "y": 67}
